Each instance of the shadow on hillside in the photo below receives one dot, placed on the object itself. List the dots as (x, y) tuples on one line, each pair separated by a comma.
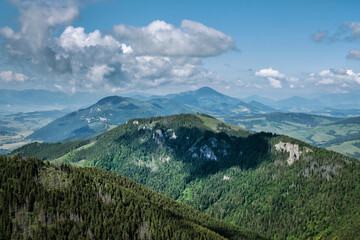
[(206, 152)]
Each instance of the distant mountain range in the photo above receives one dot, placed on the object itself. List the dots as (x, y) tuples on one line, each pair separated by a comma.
[(115, 110), (254, 115), (274, 185), (104, 115), (336, 105)]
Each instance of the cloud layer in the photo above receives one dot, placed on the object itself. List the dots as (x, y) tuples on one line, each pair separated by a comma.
[(129, 57), (10, 76), (163, 39), (343, 78)]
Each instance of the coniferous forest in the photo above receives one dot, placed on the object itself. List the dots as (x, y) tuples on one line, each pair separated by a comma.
[(42, 201)]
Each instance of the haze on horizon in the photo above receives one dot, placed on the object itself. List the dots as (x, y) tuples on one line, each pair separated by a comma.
[(270, 48)]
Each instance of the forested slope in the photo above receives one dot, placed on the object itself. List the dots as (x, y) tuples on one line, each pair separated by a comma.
[(42, 201), (271, 184)]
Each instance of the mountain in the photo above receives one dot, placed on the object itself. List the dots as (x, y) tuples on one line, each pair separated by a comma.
[(42, 201), (104, 115), (261, 107), (261, 99), (336, 105), (207, 99), (298, 104), (215, 103), (275, 185), (349, 100)]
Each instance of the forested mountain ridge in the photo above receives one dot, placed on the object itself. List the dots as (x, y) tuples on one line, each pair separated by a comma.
[(271, 184), (42, 201)]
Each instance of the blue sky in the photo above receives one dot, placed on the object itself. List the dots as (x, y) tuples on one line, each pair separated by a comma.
[(240, 48)]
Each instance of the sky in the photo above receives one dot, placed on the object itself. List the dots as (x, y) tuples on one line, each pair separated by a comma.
[(240, 48)]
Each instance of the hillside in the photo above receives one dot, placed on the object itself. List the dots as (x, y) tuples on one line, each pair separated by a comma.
[(104, 115), (340, 135), (42, 201), (274, 185)]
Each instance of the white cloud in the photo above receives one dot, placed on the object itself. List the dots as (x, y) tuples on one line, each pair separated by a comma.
[(341, 77), (269, 72), (272, 75), (163, 39), (37, 19), (275, 83), (97, 73), (7, 32), (126, 49), (72, 60), (75, 39), (9, 76)]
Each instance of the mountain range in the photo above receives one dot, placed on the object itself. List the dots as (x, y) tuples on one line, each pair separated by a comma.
[(274, 185), (104, 115), (115, 110), (318, 129)]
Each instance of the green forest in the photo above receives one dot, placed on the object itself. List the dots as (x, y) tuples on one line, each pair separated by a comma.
[(228, 173), (42, 201)]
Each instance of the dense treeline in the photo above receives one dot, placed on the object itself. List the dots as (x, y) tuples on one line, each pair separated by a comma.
[(51, 150), (42, 201), (234, 175)]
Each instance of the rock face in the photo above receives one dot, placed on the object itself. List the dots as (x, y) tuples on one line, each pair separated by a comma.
[(292, 149), (207, 153), (158, 137)]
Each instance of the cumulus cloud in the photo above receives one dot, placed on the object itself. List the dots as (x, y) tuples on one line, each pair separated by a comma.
[(273, 76), (341, 77), (275, 83), (129, 57), (9, 76), (269, 72), (164, 39), (75, 39), (37, 20)]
